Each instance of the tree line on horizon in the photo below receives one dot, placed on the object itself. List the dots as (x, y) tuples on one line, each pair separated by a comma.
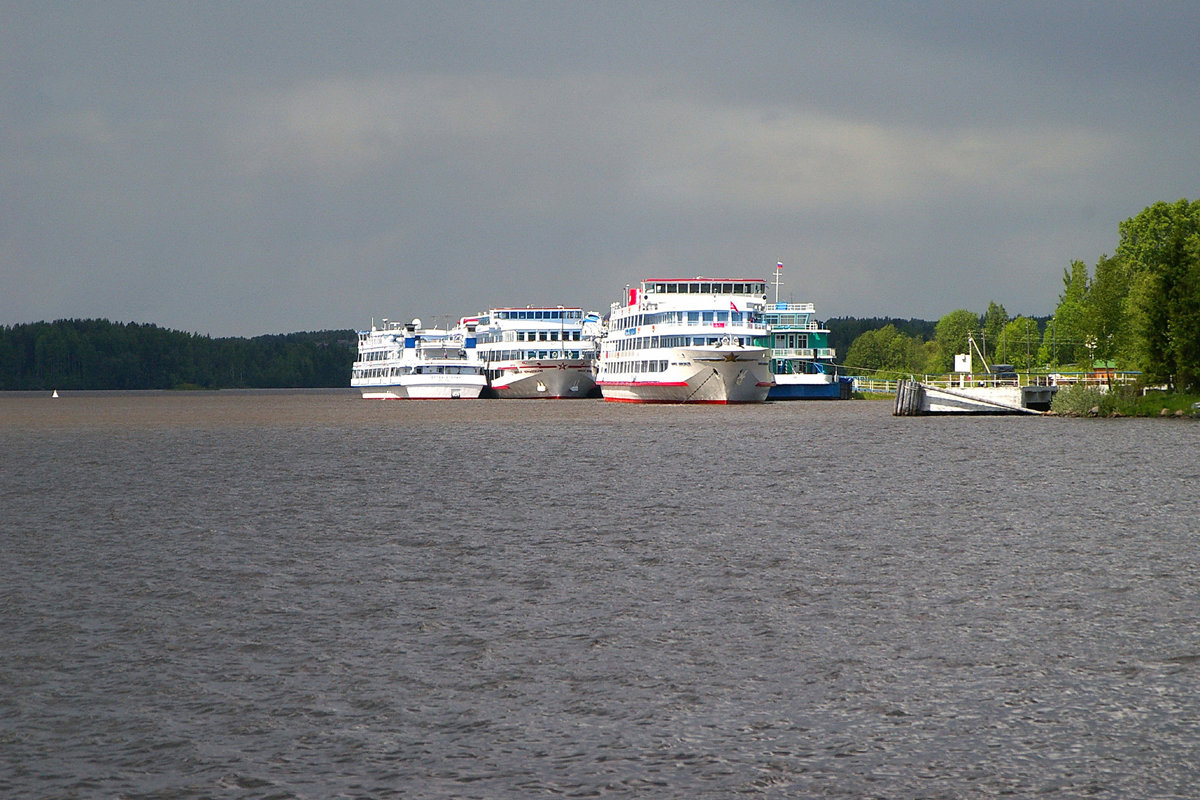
[(96, 354), (88, 354), (1138, 310)]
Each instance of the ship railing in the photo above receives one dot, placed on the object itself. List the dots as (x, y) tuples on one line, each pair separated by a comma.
[(663, 327), (794, 326), (810, 353)]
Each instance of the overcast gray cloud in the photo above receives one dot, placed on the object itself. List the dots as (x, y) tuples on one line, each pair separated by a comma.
[(239, 168)]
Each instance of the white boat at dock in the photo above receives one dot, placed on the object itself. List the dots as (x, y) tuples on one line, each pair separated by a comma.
[(802, 363), (686, 340), (537, 352), (410, 362)]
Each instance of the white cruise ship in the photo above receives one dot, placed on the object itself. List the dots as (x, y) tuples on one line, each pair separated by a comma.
[(538, 352), (410, 362), (687, 340)]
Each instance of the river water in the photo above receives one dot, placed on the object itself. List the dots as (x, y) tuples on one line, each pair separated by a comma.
[(305, 594)]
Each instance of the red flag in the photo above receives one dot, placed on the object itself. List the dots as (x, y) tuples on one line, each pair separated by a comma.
[(779, 265), (732, 306)]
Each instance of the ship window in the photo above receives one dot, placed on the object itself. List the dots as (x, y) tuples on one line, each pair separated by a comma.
[(722, 316), (693, 316), (693, 288), (706, 288), (708, 316)]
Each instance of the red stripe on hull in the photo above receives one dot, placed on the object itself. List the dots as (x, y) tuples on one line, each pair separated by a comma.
[(679, 402)]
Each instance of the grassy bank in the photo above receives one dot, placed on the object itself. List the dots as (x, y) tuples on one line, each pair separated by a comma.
[(1084, 401)]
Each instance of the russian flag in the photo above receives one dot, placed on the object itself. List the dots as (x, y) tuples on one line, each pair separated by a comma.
[(779, 265)]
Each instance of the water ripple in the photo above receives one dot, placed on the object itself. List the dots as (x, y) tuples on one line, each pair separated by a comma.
[(309, 596)]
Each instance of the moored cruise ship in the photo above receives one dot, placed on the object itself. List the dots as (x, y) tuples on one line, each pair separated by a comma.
[(410, 362), (801, 358), (686, 340), (537, 352)]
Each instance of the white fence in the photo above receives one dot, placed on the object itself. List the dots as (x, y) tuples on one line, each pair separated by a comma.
[(873, 386), (1098, 379)]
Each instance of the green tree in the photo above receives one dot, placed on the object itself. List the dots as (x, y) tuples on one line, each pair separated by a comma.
[(1019, 343), (1161, 248), (952, 334), (1070, 329), (931, 356), (1106, 324), (886, 350), (993, 325)]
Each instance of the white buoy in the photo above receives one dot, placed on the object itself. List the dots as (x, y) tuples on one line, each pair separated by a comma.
[(54, 393)]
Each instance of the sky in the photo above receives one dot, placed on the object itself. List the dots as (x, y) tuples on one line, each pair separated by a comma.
[(245, 168)]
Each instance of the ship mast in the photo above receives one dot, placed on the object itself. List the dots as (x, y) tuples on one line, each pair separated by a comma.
[(778, 280)]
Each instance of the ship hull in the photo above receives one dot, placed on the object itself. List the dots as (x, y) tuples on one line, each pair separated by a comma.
[(717, 375), (426, 389), (538, 380), (809, 387)]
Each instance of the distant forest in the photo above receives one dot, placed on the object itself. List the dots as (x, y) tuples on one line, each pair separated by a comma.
[(844, 330), (97, 354)]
